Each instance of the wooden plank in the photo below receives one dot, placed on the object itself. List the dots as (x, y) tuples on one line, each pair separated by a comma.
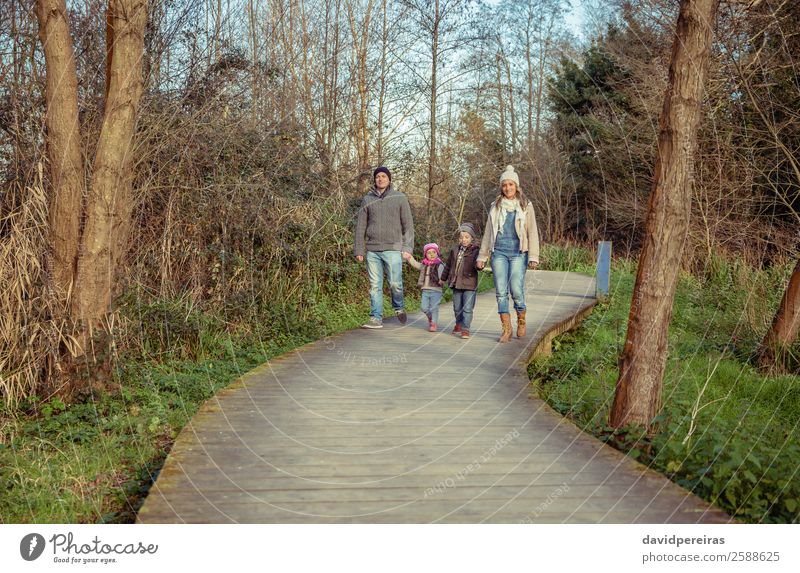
[(224, 480), (477, 511)]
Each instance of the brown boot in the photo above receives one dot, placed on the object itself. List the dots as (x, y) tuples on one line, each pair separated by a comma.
[(505, 318), (521, 324)]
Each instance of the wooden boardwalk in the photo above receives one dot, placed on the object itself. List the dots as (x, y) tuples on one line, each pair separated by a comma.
[(400, 425)]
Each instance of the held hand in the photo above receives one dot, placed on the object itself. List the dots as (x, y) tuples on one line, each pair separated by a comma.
[(532, 265), (480, 265), (406, 256), (360, 258)]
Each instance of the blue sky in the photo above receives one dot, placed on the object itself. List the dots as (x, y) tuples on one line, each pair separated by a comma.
[(575, 20)]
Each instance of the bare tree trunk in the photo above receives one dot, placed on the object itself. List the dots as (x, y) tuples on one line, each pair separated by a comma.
[(501, 106), (382, 92), (363, 93), (217, 32), (331, 139), (785, 326), (434, 89), (122, 222), (63, 139), (109, 44), (359, 31), (529, 79), (638, 392), (513, 116), (540, 88), (544, 54), (253, 37), (109, 203), (330, 55)]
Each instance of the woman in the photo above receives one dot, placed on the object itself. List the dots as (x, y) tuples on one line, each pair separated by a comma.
[(512, 240)]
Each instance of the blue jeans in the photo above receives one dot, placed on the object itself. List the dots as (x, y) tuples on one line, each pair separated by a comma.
[(392, 263), (463, 304), (508, 270), (430, 304)]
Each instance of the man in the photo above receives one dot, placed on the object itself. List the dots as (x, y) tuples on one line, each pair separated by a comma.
[(385, 237)]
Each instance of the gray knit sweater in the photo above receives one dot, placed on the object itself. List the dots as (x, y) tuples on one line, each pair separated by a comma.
[(384, 223)]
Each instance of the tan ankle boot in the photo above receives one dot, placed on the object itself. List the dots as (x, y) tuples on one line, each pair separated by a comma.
[(505, 319), (521, 330)]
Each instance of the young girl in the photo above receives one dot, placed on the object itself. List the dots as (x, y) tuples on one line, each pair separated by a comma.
[(461, 273), (430, 269)]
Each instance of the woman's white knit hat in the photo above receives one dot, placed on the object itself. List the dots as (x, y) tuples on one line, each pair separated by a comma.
[(510, 175)]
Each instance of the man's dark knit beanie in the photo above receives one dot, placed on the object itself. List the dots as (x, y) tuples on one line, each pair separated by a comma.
[(382, 170)]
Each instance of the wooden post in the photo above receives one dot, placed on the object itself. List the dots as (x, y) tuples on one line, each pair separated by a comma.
[(603, 272)]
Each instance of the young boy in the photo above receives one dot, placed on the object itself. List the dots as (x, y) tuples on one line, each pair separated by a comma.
[(461, 274)]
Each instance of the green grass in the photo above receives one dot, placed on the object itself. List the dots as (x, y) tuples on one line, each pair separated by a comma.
[(726, 431), (94, 461), (567, 258)]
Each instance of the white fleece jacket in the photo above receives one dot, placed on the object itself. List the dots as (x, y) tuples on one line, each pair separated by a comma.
[(525, 224)]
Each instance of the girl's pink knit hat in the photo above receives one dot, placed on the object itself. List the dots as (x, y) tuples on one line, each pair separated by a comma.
[(429, 246)]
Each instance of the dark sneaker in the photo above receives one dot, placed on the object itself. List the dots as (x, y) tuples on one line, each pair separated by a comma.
[(401, 316), (457, 329), (373, 323)]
